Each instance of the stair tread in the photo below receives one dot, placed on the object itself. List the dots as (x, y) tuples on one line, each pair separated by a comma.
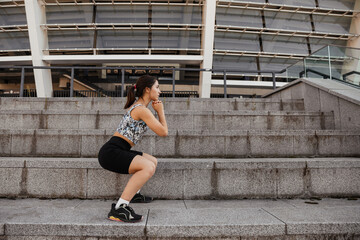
[(185, 218)]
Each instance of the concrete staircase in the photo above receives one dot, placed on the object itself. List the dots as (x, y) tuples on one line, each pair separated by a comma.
[(218, 150)]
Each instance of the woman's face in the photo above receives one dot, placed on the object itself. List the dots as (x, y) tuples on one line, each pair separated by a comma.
[(155, 91)]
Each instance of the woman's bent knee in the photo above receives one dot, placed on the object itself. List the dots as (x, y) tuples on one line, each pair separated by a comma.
[(140, 163)]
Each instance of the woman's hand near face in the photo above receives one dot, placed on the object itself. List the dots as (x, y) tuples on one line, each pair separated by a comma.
[(158, 106)]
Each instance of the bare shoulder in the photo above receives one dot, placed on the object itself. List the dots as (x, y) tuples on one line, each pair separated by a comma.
[(140, 112)]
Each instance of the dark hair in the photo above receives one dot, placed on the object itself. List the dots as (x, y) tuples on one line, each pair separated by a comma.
[(143, 82)]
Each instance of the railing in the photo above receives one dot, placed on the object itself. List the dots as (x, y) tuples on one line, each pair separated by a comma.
[(101, 93), (330, 62)]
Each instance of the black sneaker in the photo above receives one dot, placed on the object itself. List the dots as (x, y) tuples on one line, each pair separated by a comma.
[(139, 198), (124, 214)]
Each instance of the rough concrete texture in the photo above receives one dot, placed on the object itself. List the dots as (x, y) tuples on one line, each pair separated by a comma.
[(184, 178), (211, 219), (187, 143), (176, 104), (178, 120)]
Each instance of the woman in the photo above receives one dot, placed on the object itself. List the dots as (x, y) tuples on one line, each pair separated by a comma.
[(116, 155)]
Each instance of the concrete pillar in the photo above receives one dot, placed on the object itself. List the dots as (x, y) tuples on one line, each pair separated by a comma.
[(207, 46), (354, 65), (36, 15)]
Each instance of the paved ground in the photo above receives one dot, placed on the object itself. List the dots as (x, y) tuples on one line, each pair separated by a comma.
[(182, 218)]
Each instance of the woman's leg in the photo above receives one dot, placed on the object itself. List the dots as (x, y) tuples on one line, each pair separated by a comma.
[(142, 169), (151, 158)]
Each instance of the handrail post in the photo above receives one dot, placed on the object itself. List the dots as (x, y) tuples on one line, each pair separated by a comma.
[(273, 78), (173, 83), (22, 82), (72, 83), (225, 89), (122, 81)]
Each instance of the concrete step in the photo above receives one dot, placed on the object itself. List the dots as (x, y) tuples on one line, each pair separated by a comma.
[(34, 219), (179, 120), (175, 178), (182, 143), (198, 104)]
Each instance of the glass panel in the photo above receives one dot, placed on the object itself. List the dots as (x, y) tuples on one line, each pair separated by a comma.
[(122, 39), (12, 16), (238, 17), (337, 4), (317, 65), (234, 63), (236, 41), (176, 14), (298, 3), (283, 44), (295, 71), (331, 24), (344, 61), (316, 44), (287, 21), (176, 39), (69, 14), (250, 1), (70, 39), (14, 40), (122, 14), (275, 64)]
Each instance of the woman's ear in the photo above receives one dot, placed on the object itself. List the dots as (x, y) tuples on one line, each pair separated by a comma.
[(147, 90)]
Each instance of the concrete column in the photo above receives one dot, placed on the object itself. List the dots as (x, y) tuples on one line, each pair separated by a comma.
[(207, 46), (35, 15), (354, 65)]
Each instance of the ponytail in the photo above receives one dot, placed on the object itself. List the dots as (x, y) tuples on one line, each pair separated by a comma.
[(138, 89), (130, 97)]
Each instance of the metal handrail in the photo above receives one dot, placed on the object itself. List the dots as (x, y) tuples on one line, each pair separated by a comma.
[(122, 69)]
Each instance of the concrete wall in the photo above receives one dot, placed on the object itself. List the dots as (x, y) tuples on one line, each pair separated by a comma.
[(338, 98)]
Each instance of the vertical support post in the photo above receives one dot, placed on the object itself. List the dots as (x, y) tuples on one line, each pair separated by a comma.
[(329, 58), (173, 83), (72, 83), (207, 47), (122, 81), (22, 82), (273, 79), (305, 71), (225, 90), (36, 16)]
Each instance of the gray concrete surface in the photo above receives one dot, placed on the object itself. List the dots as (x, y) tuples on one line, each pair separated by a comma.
[(170, 104), (179, 120), (205, 178), (325, 95), (261, 218), (186, 143)]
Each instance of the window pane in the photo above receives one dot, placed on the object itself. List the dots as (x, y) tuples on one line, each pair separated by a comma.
[(12, 16), (236, 41), (238, 17), (287, 21), (122, 39), (14, 40), (176, 39), (276, 64), (122, 14), (70, 39), (337, 4), (252, 1), (69, 14), (176, 14), (235, 63), (331, 24), (316, 44), (283, 44), (298, 3)]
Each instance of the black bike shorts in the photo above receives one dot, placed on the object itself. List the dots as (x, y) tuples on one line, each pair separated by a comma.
[(116, 156)]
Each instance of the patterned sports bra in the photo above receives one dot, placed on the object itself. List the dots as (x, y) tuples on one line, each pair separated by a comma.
[(130, 128)]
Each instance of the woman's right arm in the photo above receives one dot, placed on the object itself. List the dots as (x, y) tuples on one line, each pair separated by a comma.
[(158, 126)]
